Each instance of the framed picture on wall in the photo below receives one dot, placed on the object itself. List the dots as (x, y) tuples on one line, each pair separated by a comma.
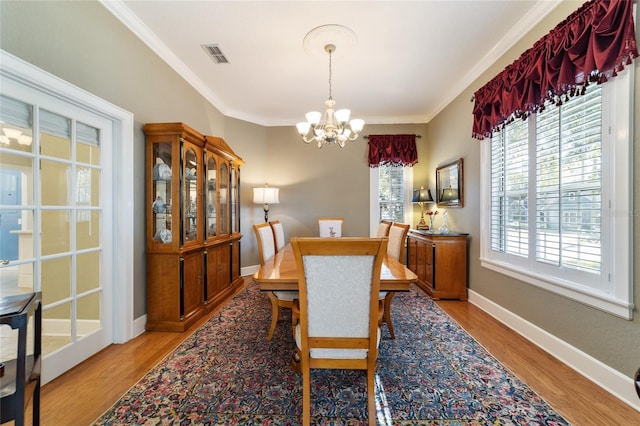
[(449, 189)]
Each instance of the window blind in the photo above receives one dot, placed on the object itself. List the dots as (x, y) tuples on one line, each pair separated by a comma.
[(569, 184), (391, 193), (510, 170)]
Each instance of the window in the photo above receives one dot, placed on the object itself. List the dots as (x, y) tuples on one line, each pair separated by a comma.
[(391, 188), (558, 188)]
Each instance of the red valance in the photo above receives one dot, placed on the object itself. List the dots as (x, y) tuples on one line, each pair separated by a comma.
[(392, 150), (591, 45)]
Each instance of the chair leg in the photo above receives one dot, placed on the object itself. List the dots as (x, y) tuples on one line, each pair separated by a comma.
[(306, 393), (371, 398), (275, 312), (387, 312)]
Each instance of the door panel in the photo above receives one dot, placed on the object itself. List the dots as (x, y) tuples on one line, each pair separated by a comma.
[(54, 238)]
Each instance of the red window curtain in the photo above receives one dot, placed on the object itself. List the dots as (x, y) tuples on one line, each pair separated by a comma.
[(392, 150), (590, 46)]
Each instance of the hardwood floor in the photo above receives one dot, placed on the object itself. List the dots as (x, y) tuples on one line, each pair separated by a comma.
[(82, 394), (576, 398)]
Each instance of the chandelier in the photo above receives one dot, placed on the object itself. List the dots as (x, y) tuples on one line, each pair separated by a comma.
[(332, 127)]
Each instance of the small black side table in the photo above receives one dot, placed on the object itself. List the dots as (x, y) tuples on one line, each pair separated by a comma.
[(20, 377)]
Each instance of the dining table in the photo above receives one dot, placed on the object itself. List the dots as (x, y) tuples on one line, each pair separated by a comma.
[(280, 273)]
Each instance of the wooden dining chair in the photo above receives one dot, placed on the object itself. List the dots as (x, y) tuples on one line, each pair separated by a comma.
[(330, 226), (279, 299), (397, 243), (278, 234), (339, 282), (383, 228)]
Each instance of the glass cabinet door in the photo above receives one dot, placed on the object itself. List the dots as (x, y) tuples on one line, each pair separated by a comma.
[(161, 189), (224, 199), (211, 194), (191, 206), (234, 200)]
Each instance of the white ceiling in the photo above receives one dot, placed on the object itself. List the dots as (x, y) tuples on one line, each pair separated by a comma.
[(410, 60)]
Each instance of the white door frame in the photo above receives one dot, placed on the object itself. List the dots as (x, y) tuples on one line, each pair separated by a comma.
[(15, 70)]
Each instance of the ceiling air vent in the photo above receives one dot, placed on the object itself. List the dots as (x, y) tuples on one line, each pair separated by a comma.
[(216, 54)]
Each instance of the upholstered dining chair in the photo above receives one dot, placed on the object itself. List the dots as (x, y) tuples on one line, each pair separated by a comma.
[(279, 299), (278, 234), (330, 226), (339, 282), (383, 228), (397, 243)]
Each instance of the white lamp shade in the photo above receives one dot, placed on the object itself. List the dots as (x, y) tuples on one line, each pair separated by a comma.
[(357, 125), (342, 115), (266, 195), (303, 127), (313, 117)]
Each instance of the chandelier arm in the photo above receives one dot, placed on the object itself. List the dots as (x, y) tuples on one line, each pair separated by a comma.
[(311, 139)]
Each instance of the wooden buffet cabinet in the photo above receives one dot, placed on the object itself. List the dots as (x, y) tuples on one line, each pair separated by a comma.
[(193, 224), (440, 262)]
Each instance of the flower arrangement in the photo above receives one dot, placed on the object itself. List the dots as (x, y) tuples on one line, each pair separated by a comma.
[(432, 215)]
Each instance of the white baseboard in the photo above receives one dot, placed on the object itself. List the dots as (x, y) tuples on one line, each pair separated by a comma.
[(139, 325), (249, 270), (614, 382)]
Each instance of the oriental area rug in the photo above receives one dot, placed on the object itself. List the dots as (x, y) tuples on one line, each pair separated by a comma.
[(227, 373)]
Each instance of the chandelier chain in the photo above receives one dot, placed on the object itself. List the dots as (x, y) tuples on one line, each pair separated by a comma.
[(330, 72)]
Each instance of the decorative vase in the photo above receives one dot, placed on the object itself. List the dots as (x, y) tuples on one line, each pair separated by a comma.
[(430, 222), (444, 229)]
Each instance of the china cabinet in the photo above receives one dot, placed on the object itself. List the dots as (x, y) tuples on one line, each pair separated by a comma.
[(440, 262), (193, 233)]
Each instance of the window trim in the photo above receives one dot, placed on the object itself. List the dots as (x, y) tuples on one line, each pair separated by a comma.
[(620, 301)]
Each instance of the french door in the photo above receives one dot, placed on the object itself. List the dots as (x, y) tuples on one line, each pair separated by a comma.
[(57, 186)]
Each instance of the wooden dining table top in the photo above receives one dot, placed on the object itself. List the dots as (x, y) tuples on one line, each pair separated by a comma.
[(281, 273)]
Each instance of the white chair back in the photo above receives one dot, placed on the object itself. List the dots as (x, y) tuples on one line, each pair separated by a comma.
[(266, 244), (339, 282), (278, 234), (397, 240), (330, 227), (383, 228)]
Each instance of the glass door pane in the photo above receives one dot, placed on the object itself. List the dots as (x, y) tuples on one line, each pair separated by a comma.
[(224, 199), (162, 190), (212, 194), (190, 196)]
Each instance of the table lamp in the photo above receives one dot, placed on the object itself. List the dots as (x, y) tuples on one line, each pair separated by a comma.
[(265, 196), (422, 196)]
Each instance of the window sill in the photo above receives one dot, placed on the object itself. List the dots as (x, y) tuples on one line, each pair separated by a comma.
[(594, 299)]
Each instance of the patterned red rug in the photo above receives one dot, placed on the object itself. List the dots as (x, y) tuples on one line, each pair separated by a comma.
[(227, 373)]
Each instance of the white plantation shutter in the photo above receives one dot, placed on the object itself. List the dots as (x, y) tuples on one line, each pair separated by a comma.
[(509, 180), (569, 191), (391, 194), (569, 184)]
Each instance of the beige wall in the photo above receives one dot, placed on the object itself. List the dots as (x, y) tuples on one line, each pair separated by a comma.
[(614, 341), (84, 44)]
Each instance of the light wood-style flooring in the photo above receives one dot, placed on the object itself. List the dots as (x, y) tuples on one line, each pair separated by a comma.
[(82, 394)]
